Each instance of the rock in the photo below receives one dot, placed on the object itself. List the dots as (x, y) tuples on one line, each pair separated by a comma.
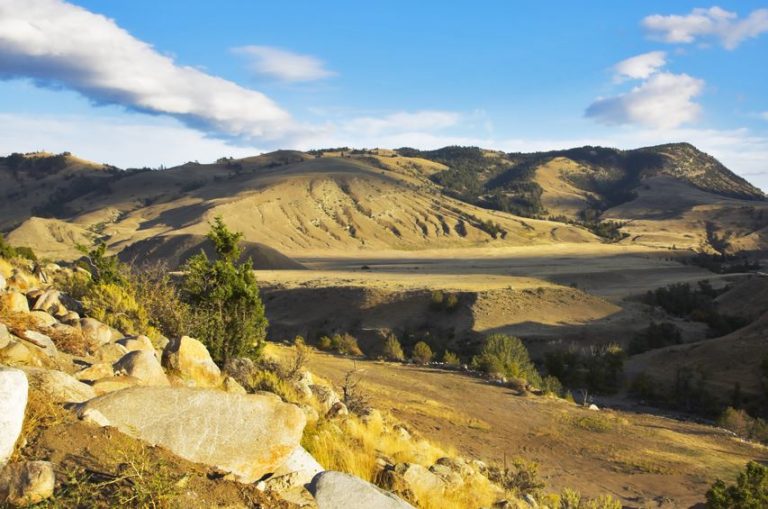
[(95, 372), (95, 332), (41, 341), (417, 476), (325, 396), (61, 387), (50, 302), (16, 353), (5, 336), (114, 383), (448, 476), (13, 402), (42, 319), (231, 385), (298, 470), (135, 343), (249, 435), (3, 283), (14, 302), (94, 417), (189, 359), (338, 409), (69, 318), (27, 483), (19, 281), (594, 407), (335, 490), (142, 365), (111, 352)]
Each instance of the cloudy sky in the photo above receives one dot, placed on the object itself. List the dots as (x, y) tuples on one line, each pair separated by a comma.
[(147, 83)]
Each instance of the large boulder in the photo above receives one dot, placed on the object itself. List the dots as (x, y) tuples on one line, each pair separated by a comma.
[(249, 435), (188, 358), (114, 383), (60, 386), (42, 319), (27, 483), (41, 341), (299, 469), (14, 389), (335, 490), (95, 372), (14, 302), (134, 343), (19, 353), (111, 352), (142, 365), (95, 332)]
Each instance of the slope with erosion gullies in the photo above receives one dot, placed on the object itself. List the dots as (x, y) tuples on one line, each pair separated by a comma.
[(712, 208), (41, 184), (721, 363), (297, 203)]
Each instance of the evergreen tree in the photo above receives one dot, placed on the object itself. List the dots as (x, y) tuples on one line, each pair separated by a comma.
[(227, 309)]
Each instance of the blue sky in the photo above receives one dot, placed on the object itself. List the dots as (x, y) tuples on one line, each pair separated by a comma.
[(147, 83)]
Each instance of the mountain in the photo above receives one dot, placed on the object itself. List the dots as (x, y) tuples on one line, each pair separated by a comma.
[(342, 200)]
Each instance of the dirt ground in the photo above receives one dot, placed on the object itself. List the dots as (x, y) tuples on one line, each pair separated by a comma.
[(646, 460)]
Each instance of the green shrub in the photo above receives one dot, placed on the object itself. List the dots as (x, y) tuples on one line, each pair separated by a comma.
[(597, 368), (422, 353), (507, 356), (749, 492), (656, 335), (451, 359), (226, 306), (324, 343), (117, 307), (345, 344), (393, 351), (551, 385)]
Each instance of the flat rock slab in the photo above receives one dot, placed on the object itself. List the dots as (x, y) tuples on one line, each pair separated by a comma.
[(335, 490), (60, 386), (14, 389), (249, 435)]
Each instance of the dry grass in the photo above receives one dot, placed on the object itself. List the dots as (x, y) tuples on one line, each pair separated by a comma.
[(41, 412), (6, 269), (70, 341)]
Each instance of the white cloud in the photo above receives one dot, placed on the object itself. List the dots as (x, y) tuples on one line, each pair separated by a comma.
[(764, 115), (60, 44), (283, 65), (640, 66), (663, 101), (707, 23), (403, 121), (125, 141)]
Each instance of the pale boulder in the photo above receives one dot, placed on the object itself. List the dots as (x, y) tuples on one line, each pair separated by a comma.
[(14, 302), (336, 490), (14, 389), (50, 302), (95, 332), (17, 353), (95, 372), (42, 319), (114, 383), (248, 435), (60, 386), (299, 469), (142, 365), (40, 340), (28, 483), (3, 283), (111, 352), (135, 343), (189, 359)]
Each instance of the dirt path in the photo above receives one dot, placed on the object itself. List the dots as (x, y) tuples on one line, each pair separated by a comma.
[(641, 458)]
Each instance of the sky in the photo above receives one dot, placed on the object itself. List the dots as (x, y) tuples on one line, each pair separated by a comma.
[(148, 83)]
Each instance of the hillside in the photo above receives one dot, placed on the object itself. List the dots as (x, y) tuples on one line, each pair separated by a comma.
[(301, 204)]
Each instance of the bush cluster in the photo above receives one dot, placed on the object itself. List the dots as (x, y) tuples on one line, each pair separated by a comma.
[(597, 369), (507, 356)]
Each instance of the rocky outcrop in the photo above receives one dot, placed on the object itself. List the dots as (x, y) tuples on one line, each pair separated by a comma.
[(13, 402), (188, 359), (335, 490), (28, 483), (249, 435), (95, 332)]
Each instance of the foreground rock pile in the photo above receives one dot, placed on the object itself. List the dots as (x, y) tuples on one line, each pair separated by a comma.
[(166, 393)]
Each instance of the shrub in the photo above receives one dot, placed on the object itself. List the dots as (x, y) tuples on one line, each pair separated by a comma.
[(392, 349), (345, 344), (117, 307), (597, 368), (743, 424), (508, 356), (451, 359), (551, 385), (227, 309), (162, 300), (324, 343), (656, 335), (749, 492), (422, 353)]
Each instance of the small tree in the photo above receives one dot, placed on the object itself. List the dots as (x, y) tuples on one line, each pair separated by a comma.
[(228, 312), (422, 353), (749, 492), (450, 358), (392, 349), (508, 356)]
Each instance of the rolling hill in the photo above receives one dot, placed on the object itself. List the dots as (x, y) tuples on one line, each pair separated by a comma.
[(346, 201)]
